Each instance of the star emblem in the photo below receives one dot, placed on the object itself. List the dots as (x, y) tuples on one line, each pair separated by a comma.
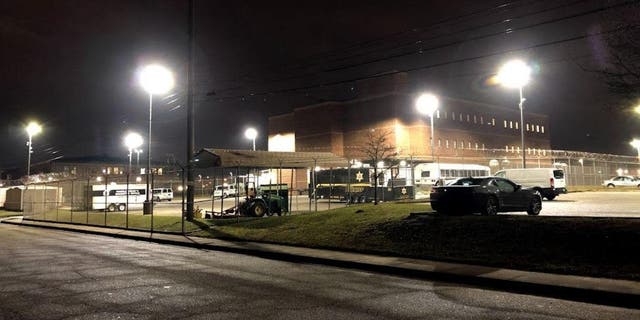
[(359, 176)]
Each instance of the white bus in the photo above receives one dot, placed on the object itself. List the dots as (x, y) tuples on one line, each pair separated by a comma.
[(113, 197), (427, 174)]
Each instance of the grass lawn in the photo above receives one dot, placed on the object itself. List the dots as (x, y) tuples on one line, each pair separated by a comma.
[(604, 247), (7, 213)]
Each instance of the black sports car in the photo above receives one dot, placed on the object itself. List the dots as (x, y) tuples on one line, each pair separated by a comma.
[(487, 195)]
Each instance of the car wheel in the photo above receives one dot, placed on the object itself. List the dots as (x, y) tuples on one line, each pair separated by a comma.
[(122, 207), (611, 185), (258, 209), (111, 207), (490, 207), (535, 206), (550, 198)]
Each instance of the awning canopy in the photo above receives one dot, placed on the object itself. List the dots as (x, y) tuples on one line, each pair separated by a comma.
[(207, 158)]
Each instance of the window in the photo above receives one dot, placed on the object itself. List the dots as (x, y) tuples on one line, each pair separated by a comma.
[(468, 118), (476, 146), (513, 149), (505, 123), (425, 174), (447, 143), (439, 143), (475, 119), (518, 149), (481, 120), (537, 128), (460, 117), (469, 144), (506, 148), (542, 129), (455, 143), (527, 127), (483, 146), (510, 124), (445, 114), (453, 116), (517, 126), (493, 122), (505, 186), (438, 114)]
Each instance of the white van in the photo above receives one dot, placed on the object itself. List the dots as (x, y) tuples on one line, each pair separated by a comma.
[(227, 190), (160, 194), (548, 181)]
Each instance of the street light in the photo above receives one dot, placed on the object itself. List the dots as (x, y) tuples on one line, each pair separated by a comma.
[(154, 79), (32, 130), (132, 141), (637, 109), (427, 104), (636, 144), (251, 134), (516, 74)]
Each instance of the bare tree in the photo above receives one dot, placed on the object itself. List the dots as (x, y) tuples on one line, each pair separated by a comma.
[(377, 148), (619, 64)]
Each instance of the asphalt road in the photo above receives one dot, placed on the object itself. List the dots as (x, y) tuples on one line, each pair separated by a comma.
[(46, 274)]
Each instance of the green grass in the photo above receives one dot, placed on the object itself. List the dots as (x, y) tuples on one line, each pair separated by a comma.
[(7, 213), (119, 220), (604, 247)]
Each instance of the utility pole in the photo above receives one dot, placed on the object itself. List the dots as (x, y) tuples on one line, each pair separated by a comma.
[(190, 117)]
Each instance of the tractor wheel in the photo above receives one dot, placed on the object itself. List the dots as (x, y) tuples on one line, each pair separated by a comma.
[(258, 209)]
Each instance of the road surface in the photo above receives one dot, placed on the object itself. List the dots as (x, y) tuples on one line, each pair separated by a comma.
[(46, 274)]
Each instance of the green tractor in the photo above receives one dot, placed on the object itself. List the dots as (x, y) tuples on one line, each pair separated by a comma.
[(258, 205)]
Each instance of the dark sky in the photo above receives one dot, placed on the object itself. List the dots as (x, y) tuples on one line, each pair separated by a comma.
[(71, 65)]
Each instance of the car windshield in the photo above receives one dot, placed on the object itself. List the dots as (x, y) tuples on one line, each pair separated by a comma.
[(558, 174), (468, 182)]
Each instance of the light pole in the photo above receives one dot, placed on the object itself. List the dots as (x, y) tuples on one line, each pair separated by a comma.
[(132, 141), (138, 152), (32, 130), (154, 79), (636, 144), (427, 104), (516, 74), (251, 134)]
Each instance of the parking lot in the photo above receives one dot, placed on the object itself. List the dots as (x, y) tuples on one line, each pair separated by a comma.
[(585, 204)]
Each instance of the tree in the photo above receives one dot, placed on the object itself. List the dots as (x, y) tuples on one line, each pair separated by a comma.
[(619, 64), (377, 148)]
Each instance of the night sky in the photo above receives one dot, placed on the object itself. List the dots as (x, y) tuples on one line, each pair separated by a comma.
[(71, 65)]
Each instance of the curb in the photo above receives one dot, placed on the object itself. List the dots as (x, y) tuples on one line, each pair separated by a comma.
[(539, 284)]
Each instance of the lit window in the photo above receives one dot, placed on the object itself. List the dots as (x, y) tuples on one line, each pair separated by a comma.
[(544, 152), (537, 128), (453, 116), (527, 127), (460, 117), (475, 119), (445, 114), (493, 122), (542, 129), (468, 118), (483, 146), (513, 149), (439, 143), (481, 120), (528, 150), (469, 144), (517, 126), (518, 149), (506, 148), (476, 146), (447, 143), (455, 144), (505, 123), (510, 124)]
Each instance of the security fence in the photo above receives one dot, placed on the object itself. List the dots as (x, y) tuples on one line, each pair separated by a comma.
[(117, 200)]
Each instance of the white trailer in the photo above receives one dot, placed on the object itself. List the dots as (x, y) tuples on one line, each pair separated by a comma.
[(112, 197)]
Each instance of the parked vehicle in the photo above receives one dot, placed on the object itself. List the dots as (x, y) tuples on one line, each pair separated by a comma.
[(487, 195), (112, 197), (550, 182), (227, 190), (161, 194), (258, 203), (427, 175), (622, 181)]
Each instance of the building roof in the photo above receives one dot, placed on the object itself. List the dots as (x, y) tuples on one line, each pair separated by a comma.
[(207, 157)]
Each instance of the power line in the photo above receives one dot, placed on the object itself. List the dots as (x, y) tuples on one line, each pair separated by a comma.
[(430, 66), (458, 42)]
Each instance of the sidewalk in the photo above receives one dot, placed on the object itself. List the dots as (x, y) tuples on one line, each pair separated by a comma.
[(624, 293)]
